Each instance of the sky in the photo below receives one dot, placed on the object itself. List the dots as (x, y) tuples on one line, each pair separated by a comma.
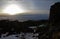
[(32, 7)]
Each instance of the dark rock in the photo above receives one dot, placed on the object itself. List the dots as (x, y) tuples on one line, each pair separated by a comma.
[(54, 17)]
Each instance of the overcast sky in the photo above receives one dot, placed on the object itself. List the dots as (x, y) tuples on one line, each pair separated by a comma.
[(34, 6), (38, 6)]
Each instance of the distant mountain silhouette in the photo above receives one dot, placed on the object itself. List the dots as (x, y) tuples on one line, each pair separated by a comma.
[(25, 17), (32, 17)]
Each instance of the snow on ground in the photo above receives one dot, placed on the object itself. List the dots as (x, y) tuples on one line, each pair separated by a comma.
[(21, 36)]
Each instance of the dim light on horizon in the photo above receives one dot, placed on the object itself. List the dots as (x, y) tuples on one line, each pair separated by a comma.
[(12, 9)]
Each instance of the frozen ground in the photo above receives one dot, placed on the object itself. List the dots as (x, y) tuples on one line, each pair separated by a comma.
[(21, 36)]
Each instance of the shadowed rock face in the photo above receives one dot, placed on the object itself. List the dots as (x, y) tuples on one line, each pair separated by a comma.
[(55, 14), (54, 21)]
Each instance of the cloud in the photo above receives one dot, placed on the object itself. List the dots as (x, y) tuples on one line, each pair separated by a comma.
[(37, 12)]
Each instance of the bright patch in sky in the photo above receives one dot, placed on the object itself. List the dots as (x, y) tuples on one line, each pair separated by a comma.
[(13, 9)]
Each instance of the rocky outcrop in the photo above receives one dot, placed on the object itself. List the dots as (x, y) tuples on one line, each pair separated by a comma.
[(54, 18)]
